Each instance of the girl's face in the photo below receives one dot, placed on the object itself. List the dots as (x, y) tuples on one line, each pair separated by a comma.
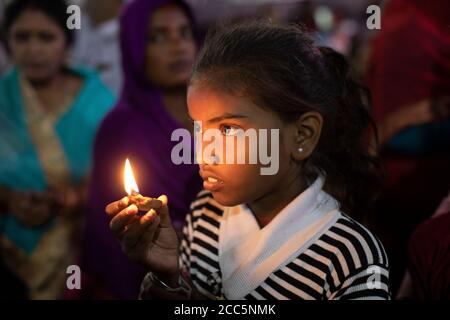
[(171, 47), (240, 183), (38, 45)]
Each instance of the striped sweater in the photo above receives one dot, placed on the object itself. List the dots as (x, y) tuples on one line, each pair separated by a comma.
[(346, 262)]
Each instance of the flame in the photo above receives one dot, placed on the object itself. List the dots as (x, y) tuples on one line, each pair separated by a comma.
[(129, 180)]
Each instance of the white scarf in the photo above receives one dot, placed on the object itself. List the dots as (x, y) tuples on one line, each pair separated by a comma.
[(248, 254)]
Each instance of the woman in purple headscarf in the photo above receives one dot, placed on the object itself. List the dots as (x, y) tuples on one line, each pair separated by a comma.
[(158, 49)]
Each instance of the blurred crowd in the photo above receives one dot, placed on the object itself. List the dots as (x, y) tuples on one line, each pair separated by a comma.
[(74, 104)]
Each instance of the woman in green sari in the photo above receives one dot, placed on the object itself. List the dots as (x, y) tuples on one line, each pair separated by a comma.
[(49, 114)]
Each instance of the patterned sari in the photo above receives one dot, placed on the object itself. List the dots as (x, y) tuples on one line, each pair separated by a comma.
[(41, 151)]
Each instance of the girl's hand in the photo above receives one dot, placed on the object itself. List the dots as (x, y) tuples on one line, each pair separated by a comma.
[(149, 239)]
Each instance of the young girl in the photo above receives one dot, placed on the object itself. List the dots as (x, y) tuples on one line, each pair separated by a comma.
[(282, 236)]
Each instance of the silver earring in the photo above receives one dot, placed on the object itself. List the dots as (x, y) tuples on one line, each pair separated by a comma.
[(300, 149)]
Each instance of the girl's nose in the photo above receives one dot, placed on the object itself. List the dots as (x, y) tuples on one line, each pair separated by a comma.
[(207, 159)]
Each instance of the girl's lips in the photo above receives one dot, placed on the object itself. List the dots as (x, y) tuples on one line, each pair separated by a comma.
[(212, 185)]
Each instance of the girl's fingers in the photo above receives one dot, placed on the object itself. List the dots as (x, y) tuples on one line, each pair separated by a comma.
[(122, 219), (150, 230), (148, 218), (115, 207), (164, 212), (138, 228), (141, 247), (132, 235)]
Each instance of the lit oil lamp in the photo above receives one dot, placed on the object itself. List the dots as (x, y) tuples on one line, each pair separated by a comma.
[(132, 189)]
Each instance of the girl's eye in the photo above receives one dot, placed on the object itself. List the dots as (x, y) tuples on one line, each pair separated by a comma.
[(228, 130)]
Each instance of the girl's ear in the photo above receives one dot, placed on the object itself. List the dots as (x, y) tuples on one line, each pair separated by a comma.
[(307, 129)]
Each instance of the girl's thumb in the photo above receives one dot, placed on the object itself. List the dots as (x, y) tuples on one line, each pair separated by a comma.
[(164, 211)]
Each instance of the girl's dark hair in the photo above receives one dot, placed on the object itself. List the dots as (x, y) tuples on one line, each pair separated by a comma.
[(55, 9), (279, 68)]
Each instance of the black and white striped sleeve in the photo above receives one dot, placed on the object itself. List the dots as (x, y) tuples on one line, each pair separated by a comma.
[(186, 240), (370, 283), (363, 269)]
